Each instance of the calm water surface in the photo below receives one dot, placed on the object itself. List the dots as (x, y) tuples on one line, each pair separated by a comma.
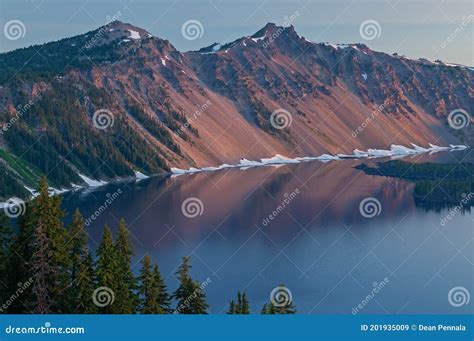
[(319, 245)]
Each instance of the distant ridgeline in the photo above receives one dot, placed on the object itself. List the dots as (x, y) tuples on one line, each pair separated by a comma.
[(437, 185)]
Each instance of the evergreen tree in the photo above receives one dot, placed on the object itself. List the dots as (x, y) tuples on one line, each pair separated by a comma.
[(245, 307), (149, 296), (42, 271), (85, 282), (241, 306), (5, 244), (50, 255), (189, 295), (81, 270), (106, 268), (18, 264), (126, 301), (238, 307), (163, 298)]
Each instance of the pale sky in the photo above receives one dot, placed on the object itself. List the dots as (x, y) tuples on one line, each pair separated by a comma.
[(433, 29)]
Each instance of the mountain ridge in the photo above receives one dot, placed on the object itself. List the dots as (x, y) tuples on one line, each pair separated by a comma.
[(170, 108)]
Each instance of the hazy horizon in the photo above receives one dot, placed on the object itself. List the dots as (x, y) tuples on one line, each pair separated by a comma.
[(434, 29)]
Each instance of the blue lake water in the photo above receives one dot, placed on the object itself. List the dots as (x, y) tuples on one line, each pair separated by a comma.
[(318, 245)]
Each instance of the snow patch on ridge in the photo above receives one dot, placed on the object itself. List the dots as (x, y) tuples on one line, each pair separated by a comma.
[(140, 176), (134, 35), (91, 182)]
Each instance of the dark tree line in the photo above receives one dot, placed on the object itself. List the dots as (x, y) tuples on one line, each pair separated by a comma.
[(47, 268), (436, 185)]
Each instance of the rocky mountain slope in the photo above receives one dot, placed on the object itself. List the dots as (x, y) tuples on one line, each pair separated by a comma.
[(118, 100)]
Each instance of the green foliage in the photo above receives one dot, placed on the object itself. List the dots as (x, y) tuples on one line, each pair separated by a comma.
[(59, 271), (189, 295), (155, 299), (271, 309), (55, 59), (28, 172), (163, 298), (50, 258), (106, 267), (262, 117), (241, 306), (81, 271), (5, 243), (125, 299), (56, 137), (18, 269), (436, 185), (10, 184), (154, 127)]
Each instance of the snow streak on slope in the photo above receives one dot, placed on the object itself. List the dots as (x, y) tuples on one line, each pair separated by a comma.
[(396, 151)]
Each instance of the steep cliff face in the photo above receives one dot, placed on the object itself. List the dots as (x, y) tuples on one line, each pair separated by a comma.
[(117, 99)]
